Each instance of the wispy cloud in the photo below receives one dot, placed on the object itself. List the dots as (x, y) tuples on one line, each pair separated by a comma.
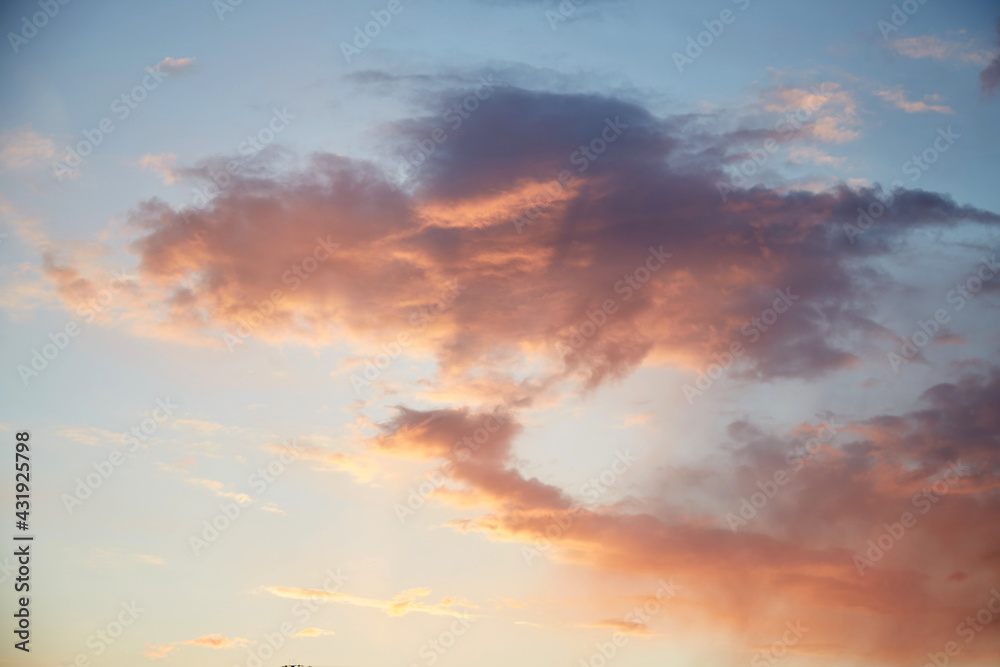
[(897, 97), (935, 48), (216, 641), (23, 149), (400, 605)]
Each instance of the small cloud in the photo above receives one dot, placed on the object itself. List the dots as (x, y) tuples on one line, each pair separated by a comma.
[(312, 632), (935, 48), (23, 149), (633, 628), (989, 78), (175, 65), (271, 507), (218, 488), (898, 98), (642, 418), (164, 164), (400, 605), (155, 652)]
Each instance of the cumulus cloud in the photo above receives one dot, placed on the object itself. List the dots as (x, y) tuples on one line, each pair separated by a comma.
[(486, 217)]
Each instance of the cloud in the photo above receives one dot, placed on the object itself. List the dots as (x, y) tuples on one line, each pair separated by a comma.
[(795, 552), (989, 78), (23, 149), (527, 289), (175, 65), (219, 489), (935, 48), (634, 628), (312, 632), (898, 98), (400, 605), (164, 164), (156, 652)]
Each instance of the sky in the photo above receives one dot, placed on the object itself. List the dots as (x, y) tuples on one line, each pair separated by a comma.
[(439, 332)]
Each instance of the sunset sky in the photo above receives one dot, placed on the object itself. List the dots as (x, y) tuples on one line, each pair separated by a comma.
[(602, 333)]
